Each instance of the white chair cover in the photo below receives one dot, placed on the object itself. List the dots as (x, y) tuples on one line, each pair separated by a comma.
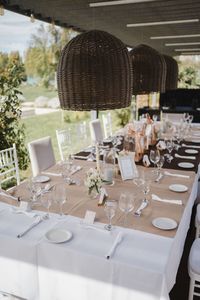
[(41, 155)]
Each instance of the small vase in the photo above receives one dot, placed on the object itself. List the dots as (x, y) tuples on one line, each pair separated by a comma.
[(93, 194)]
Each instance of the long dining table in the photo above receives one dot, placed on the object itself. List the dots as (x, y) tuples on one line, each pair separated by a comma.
[(143, 266)]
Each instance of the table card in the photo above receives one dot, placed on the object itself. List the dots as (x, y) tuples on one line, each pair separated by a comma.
[(89, 217), (127, 167)]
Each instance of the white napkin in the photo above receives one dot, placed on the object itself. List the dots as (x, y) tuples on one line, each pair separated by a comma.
[(117, 241), (52, 174), (76, 169), (5, 194), (176, 175), (146, 161), (184, 156), (190, 146), (156, 198)]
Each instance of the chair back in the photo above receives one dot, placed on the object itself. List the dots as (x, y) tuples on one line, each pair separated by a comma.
[(9, 165), (64, 142), (41, 155), (96, 131), (107, 124)]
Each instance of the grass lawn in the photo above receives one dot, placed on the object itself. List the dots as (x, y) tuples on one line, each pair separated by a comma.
[(32, 92)]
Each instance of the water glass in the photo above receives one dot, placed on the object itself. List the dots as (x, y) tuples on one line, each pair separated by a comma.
[(160, 164), (169, 146), (110, 210), (154, 156), (126, 204), (60, 196)]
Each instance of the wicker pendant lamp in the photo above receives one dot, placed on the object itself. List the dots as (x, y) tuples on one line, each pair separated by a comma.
[(172, 73), (94, 73), (149, 70)]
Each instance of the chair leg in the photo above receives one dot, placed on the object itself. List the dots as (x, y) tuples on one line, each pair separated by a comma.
[(191, 290)]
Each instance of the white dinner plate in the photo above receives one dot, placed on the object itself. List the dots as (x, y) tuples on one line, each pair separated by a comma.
[(41, 179), (164, 223), (179, 188), (58, 235), (186, 165), (191, 151)]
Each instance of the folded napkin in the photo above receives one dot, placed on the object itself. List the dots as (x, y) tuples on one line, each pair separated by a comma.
[(75, 169), (191, 146), (156, 198), (52, 174), (184, 156), (176, 175), (5, 194), (117, 241)]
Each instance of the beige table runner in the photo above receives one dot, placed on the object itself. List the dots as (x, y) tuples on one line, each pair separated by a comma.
[(78, 200)]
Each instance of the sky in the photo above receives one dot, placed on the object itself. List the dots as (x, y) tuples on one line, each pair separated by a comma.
[(15, 32)]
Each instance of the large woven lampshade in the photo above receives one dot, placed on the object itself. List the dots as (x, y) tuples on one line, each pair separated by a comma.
[(149, 70), (172, 73), (94, 73)]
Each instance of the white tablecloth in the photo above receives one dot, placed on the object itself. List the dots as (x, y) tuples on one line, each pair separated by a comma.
[(143, 267)]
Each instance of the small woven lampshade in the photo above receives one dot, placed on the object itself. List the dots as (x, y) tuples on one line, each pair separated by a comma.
[(149, 70), (94, 73), (172, 73)]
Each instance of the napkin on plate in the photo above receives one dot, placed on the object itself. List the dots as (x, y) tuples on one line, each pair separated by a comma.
[(156, 198), (184, 156)]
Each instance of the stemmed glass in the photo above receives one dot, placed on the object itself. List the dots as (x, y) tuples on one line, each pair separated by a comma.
[(169, 146), (46, 200), (154, 156), (67, 168), (35, 191), (110, 210), (145, 189), (160, 164), (126, 204), (60, 195)]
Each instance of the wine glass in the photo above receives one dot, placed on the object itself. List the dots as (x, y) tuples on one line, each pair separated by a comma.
[(46, 201), (155, 118), (160, 164), (154, 156), (126, 204), (60, 196), (110, 209), (35, 191), (169, 146), (67, 166)]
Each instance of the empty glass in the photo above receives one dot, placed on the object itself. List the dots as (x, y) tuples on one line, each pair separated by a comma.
[(35, 191), (110, 210), (154, 156), (126, 204), (46, 201), (160, 164), (60, 196), (169, 146)]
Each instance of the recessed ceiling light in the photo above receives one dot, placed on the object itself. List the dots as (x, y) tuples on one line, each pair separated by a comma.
[(182, 44), (191, 49), (162, 23), (174, 36), (118, 2)]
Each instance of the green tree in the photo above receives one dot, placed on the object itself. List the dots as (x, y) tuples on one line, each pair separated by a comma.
[(188, 77), (11, 129), (42, 56)]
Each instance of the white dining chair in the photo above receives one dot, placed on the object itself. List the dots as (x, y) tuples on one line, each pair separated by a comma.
[(197, 222), (64, 142), (41, 155), (194, 269), (96, 131), (107, 124), (9, 165)]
